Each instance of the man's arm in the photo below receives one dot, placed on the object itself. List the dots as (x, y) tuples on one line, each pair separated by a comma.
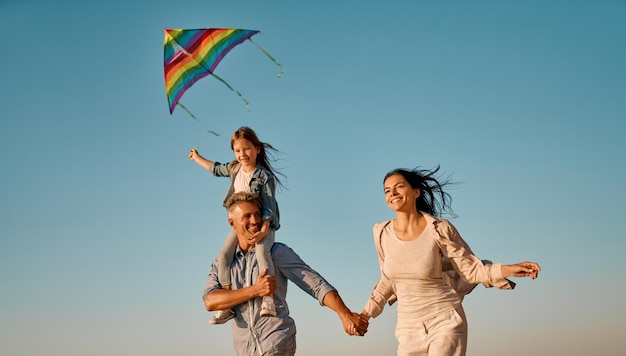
[(310, 281), (220, 299), (353, 324)]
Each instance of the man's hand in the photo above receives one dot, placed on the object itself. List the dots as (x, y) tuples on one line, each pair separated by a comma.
[(355, 324), (265, 285), (226, 298)]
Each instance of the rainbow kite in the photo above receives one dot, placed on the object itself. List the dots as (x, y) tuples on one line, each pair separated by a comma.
[(191, 55)]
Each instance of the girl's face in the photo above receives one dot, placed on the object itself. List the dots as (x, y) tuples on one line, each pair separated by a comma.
[(245, 154), (399, 194)]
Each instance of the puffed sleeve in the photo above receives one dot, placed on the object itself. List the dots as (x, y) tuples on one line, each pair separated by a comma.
[(469, 267), (383, 290)]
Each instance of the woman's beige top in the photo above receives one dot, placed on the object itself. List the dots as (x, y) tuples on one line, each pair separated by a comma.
[(414, 271)]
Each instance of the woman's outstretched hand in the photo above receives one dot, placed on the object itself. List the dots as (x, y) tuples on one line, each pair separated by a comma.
[(522, 269)]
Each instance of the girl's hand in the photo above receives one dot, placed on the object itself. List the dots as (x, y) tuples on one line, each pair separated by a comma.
[(193, 154), (258, 236)]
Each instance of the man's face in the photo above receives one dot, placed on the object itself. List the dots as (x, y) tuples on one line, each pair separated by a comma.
[(245, 219)]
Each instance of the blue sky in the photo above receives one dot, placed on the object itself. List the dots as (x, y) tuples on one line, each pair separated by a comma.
[(107, 230)]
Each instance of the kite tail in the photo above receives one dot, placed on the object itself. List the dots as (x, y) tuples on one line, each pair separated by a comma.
[(233, 89), (282, 69), (195, 118)]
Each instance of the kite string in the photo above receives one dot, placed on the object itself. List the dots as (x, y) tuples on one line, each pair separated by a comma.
[(282, 69), (236, 91), (195, 118), (233, 89)]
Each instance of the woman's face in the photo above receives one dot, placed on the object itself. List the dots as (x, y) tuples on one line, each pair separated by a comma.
[(245, 153), (399, 194)]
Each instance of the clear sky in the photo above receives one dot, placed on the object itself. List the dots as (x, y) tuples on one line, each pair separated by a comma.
[(107, 230)]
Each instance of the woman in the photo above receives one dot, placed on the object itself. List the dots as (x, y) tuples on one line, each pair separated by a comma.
[(414, 250)]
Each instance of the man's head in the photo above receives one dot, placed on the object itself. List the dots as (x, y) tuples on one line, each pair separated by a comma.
[(244, 216)]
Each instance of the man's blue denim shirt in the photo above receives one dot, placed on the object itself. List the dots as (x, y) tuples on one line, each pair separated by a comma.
[(253, 334)]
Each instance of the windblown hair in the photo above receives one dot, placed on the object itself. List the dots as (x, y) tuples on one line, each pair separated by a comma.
[(266, 152), (241, 197), (433, 199)]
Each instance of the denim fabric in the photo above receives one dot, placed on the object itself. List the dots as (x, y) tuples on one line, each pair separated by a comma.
[(262, 183), (287, 348), (227, 252), (256, 335)]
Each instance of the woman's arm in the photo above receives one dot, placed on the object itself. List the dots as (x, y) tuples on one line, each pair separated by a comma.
[(522, 269)]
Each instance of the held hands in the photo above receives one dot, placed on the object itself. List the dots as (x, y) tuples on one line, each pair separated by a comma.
[(522, 269), (354, 324)]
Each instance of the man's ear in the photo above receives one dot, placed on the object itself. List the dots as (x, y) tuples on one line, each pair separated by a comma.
[(230, 222)]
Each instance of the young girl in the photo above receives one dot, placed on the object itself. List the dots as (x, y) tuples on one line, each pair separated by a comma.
[(252, 172)]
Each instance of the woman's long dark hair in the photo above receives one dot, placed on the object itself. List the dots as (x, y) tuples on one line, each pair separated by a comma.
[(433, 199)]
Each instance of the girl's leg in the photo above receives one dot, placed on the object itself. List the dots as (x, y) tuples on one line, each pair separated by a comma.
[(263, 251), (225, 258)]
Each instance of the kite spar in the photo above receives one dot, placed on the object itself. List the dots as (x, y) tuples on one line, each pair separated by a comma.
[(190, 55)]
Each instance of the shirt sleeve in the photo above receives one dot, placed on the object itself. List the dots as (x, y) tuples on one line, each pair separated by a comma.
[(220, 169), (383, 290), (212, 282), (382, 294), (267, 192), (296, 270), (464, 262)]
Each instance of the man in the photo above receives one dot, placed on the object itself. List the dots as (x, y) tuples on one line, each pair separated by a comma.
[(253, 334)]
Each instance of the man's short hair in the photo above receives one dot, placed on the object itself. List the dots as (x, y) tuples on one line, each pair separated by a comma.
[(241, 197)]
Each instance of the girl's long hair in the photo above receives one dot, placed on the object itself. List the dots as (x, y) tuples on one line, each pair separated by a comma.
[(266, 152)]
